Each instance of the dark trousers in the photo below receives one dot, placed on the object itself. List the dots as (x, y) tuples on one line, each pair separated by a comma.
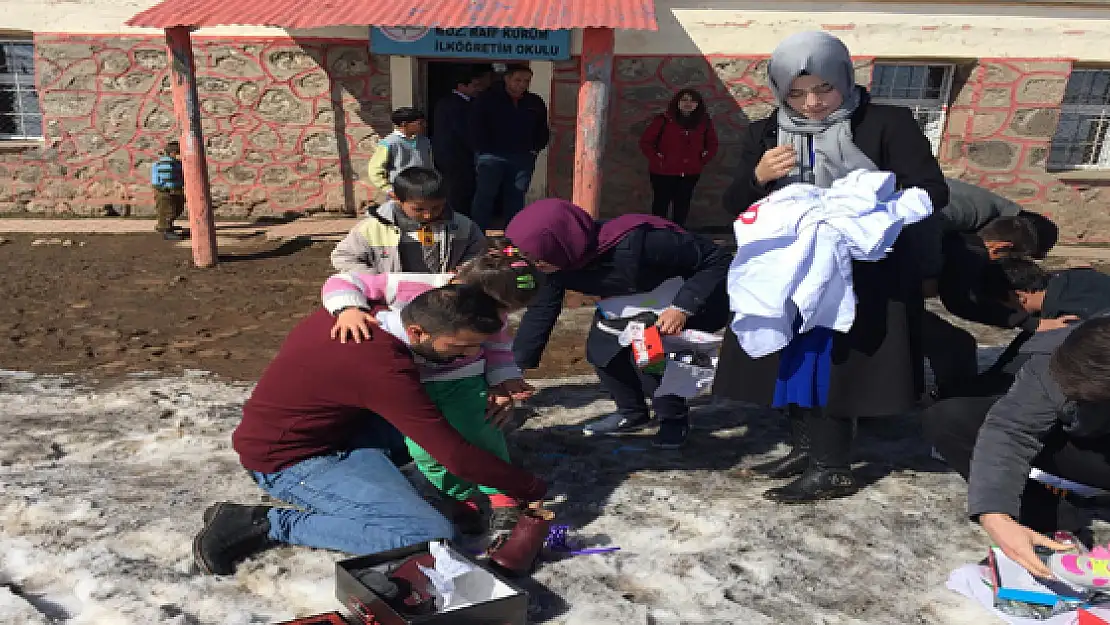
[(460, 189), (509, 176), (169, 207), (629, 387), (952, 354), (674, 193), (952, 426)]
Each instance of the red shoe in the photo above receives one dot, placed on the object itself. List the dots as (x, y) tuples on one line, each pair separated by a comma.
[(517, 553)]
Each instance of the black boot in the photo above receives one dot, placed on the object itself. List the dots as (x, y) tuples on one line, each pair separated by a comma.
[(829, 474), (795, 462), (231, 532)]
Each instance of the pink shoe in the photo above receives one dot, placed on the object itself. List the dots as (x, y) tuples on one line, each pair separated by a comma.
[(1081, 570)]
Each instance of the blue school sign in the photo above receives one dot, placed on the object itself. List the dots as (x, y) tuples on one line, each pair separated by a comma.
[(472, 43)]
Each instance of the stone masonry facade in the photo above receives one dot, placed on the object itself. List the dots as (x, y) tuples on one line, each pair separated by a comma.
[(272, 110), (999, 126)]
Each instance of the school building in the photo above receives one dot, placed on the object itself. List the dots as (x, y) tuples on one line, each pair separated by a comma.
[(1013, 95)]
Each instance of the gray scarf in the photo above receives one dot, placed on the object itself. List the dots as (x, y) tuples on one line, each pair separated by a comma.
[(825, 148)]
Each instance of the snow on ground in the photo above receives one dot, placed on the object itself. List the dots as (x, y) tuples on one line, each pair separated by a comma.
[(102, 490)]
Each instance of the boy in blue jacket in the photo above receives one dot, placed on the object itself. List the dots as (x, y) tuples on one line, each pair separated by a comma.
[(169, 190)]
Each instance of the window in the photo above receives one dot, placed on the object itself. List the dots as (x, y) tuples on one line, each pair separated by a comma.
[(20, 117), (923, 88), (1081, 137)]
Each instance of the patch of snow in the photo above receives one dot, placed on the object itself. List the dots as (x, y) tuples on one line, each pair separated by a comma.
[(102, 488)]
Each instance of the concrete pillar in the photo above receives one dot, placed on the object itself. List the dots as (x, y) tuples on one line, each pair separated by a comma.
[(543, 73), (593, 112), (186, 108)]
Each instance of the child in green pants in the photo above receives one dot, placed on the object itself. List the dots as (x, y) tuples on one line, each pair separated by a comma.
[(462, 387)]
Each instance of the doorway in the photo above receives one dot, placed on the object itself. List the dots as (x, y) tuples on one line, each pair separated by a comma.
[(439, 81)]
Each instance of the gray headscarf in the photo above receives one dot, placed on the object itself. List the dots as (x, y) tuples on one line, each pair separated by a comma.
[(834, 154)]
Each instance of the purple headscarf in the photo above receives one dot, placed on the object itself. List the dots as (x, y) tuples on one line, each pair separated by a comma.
[(563, 234)]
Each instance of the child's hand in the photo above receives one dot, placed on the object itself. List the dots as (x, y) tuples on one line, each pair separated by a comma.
[(355, 322), (671, 321), (499, 407), (517, 388)]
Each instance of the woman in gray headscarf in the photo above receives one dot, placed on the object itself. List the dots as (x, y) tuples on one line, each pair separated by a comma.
[(824, 127)]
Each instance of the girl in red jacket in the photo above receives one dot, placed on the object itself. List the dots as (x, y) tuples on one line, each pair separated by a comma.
[(678, 143)]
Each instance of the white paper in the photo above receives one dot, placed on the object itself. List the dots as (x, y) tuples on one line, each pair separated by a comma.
[(447, 568)]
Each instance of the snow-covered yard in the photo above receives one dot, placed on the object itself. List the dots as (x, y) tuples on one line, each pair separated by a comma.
[(102, 490)]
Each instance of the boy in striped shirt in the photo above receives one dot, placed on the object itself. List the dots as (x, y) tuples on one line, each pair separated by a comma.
[(169, 190)]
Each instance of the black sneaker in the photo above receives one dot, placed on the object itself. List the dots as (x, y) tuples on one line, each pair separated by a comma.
[(672, 433), (170, 235), (616, 424), (232, 532)]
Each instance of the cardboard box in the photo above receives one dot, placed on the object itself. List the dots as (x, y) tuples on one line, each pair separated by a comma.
[(329, 618), (507, 603)]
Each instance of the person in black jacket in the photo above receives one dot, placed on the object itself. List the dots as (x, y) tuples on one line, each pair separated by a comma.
[(629, 254), (970, 286), (1055, 417), (454, 155), (825, 127), (508, 129)]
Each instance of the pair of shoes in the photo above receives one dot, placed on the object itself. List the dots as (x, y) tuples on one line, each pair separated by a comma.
[(794, 463), (829, 472), (170, 235), (672, 433), (231, 533), (615, 424)]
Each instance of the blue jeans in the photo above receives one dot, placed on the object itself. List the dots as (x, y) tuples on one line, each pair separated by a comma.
[(508, 175), (354, 501)]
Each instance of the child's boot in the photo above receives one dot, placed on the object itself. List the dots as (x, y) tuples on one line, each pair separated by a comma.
[(517, 553)]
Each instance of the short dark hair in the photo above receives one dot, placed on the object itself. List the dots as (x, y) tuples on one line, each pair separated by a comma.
[(504, 274), (464, 75), (1024, 275), (172, 147), (517, 67), (419, 183), (1081, 365), (1048, 233), (406, 114), (451, 308), (1018, 232)]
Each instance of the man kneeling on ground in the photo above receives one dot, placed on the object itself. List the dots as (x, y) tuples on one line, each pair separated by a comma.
[(324, 431), (1056, 417)]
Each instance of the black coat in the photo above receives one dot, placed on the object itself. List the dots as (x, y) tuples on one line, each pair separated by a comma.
[(645, 258), (970, 207), (501, 126), (451, 142), (1079, 292), (962, 285), (878, 366)]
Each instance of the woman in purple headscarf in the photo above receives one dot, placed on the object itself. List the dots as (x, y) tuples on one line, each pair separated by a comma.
[(626, 255)]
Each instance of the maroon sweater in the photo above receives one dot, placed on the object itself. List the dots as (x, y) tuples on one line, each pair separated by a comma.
[(313, 396)]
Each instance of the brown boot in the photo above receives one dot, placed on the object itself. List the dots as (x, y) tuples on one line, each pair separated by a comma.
[(518, 552)]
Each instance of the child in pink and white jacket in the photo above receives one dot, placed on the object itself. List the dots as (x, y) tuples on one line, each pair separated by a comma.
[(464, 389)]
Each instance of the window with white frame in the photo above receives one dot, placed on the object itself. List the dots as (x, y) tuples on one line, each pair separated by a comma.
[(924, 88), (20, 117), (1082, 139)]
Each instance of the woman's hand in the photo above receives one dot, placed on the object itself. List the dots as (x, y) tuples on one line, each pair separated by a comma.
[(1018, 541), (517, 388), (671, 321), (775, 163), (355, 322), (499, 408)]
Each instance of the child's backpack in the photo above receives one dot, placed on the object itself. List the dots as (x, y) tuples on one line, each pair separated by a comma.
[(663, 127)]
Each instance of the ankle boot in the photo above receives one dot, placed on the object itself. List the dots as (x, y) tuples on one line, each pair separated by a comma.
[(829, 474), (517, 553), (795, 462), (231, 533)]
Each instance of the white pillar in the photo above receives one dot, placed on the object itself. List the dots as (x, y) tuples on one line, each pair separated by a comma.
[(402, 81)]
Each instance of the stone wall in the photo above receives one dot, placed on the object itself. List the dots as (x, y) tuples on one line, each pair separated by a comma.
[(272, 110), (1000, 124)]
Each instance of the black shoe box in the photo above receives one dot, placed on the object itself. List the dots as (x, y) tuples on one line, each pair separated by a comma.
[(507, 606)]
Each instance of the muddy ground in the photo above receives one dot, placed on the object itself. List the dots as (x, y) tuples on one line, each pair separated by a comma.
[(107, 305)]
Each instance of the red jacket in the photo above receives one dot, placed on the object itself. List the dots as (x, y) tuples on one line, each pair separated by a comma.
[(317, 392), (672, 150)]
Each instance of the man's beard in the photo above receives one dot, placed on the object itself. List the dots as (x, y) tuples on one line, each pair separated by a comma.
[(432, 356)]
